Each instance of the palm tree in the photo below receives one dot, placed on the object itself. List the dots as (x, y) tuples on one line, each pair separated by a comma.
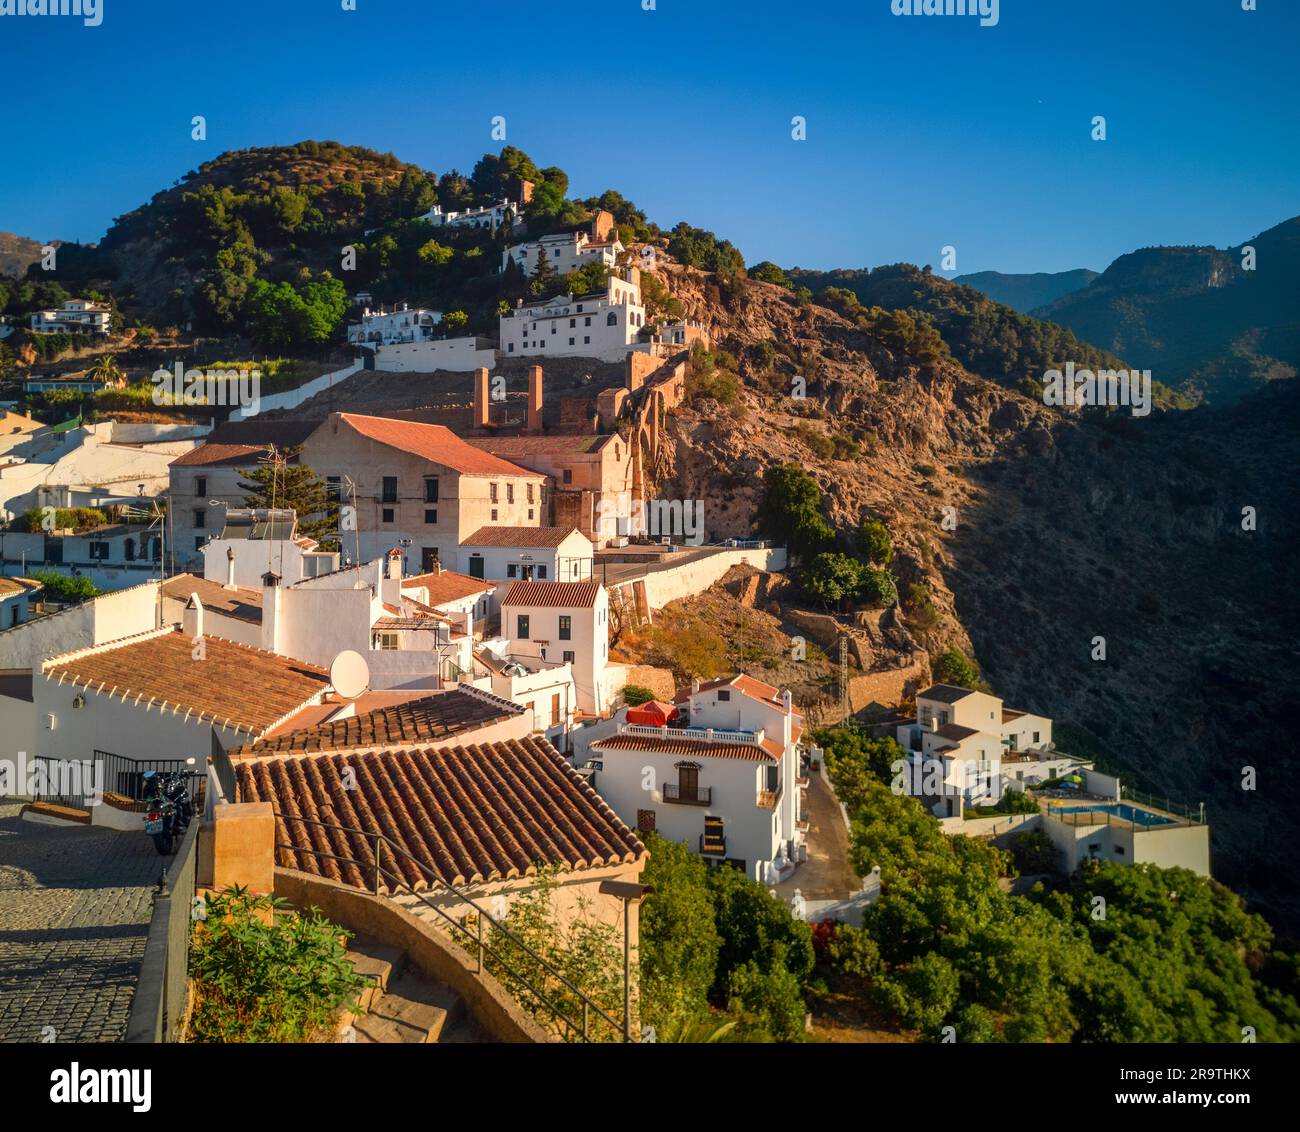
[(109, 372)]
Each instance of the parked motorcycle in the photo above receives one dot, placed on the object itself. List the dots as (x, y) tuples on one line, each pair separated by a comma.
[(170, 808)]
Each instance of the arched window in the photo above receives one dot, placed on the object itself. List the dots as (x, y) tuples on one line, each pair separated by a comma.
[(611, 319)]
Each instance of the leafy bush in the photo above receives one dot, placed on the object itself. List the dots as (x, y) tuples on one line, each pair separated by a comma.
[(65, 587), (282, 979), (636, 694), (955, 667), (791, 510), (1035, 852), (873, 537)]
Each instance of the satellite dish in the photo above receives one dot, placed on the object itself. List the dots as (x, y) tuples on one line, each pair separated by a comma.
[(350, 674)]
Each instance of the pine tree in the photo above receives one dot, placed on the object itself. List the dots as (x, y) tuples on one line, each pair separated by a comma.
[(278, 482), (544, 275)]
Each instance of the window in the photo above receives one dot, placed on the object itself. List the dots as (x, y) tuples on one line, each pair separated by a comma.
[(510, 348), (129, 546), (555, 709), (587, 321), (611, 319), (568, 475), (200, 519), (390, 490), (476, 566), (386, 516), (510, 493), (541, 571), (198, 545), (530, 513), (431, 489), (99, 550), (386, 642), (645, 821), (566, 628), (494, 514), (492, 493), (430, 515), (724, 695), (572, 323), (530, 492), (512, 571), (569, 657), (201, 486), (586, 340), (1036, 734), (522, 626)]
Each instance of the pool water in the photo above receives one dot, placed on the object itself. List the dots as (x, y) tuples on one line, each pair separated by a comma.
[(1121, 810)]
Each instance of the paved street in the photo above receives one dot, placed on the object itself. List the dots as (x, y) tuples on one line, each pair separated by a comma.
[(74, 910), (827, 874)]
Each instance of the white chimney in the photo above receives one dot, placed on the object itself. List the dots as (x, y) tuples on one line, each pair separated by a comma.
[(193, 617), (272, 630), (230, 568)]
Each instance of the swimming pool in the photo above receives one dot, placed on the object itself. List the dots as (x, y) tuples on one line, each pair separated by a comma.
[(1120, 810)]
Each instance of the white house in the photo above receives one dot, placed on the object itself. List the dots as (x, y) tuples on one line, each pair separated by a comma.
[(14, 593), (542, 554), (562, 623), (256, 540), (565, 252), (963, 745), (76, 316), (384, 328), (604, 325), (490, 216), (723, 776)]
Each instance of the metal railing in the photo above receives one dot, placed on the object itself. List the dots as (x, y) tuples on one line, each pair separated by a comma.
[(767, 799), (718, 848), (158, 1005), (1193, 814), (691, 796), (696, 734), (381, 876), (124, 775)]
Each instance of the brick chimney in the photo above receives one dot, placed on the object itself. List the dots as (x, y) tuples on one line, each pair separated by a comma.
[(481, 397), (534, 398)]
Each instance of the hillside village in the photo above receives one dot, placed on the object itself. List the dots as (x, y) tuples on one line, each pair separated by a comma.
[(506, 598)]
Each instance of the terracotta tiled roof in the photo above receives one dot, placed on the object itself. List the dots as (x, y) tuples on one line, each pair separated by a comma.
[(561, 444), (1008, 714), (475, 813), (552, 595), (433, 442), (756, 689), (519, 536), (435, 718), (685, 747), (219, 455), (243, 604), (448, 586), (233, 685)]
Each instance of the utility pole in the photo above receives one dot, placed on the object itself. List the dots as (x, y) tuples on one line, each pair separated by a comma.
[(846, 703)]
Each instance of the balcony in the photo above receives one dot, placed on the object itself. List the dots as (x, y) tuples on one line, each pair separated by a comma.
[(711, 846), (694, 734), (767, 799), (690, 796)]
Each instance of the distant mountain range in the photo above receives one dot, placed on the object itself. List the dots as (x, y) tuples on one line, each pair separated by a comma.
[(1202, 321), (1024, 293), (17, 254)]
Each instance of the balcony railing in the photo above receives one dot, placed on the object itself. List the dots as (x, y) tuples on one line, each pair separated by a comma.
[(690, 796), (694, 734), (767, 799), (713, 846)]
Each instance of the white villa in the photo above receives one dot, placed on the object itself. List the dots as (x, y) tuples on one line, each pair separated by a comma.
[(490, 216), (542, 554), (604, 325), (76, 316), (387, 328), (723, 775), (965, 748), (561, 623), (565, 252)]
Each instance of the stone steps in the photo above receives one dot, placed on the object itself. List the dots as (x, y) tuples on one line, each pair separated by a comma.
[(403, 1006)]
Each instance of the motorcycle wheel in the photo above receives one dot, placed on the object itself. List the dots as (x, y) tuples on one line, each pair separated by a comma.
[(163, 843)]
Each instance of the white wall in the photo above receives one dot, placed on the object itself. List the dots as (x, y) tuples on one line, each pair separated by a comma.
[(108, 617), (456, 355), (693, 577), (295, 397)]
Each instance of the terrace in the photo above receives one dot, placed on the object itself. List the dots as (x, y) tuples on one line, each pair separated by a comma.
[(694, 734)]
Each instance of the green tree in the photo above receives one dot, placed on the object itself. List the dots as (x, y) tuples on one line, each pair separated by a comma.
[(832, 578), (285, 484), (955, 667), (453, 322), (791, 510), (876, 588), (876, 544), (755, 927)]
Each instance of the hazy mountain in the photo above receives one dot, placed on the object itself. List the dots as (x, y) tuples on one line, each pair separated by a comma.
[(17, 254), (1194, 316), (1024, 293)]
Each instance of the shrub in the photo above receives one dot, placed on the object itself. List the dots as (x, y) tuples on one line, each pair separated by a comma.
[(769, 998), (877, 588), (65, 587), (873, 537), (636, 694), (1035, 852), (955, 667), (260, 979)]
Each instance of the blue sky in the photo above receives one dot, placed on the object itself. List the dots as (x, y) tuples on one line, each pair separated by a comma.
[(922, 131)]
